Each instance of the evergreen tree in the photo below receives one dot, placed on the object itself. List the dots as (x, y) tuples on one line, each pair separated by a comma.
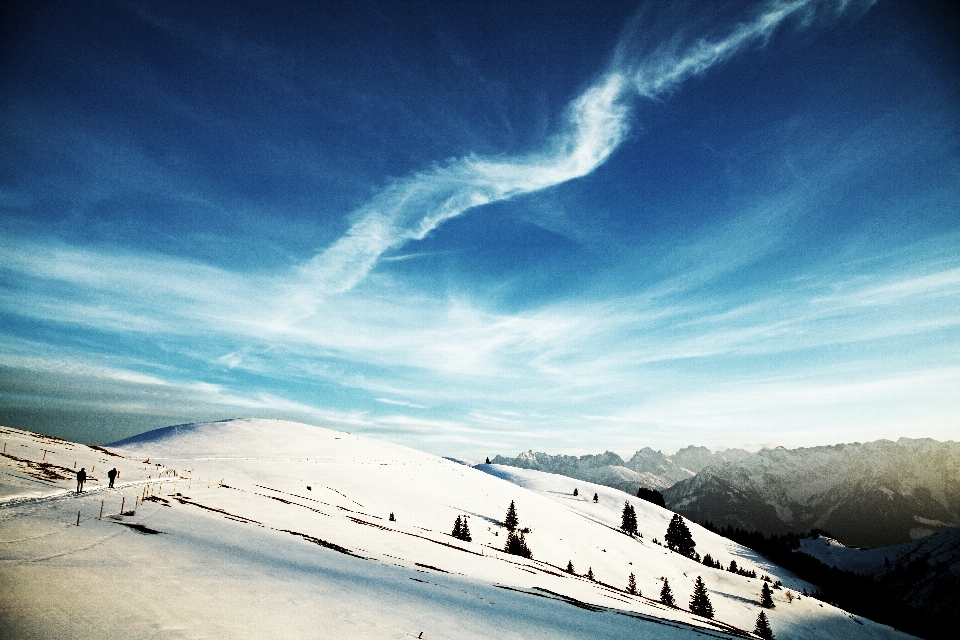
[(465, 531), (570, 567), (700, 600), (666, 595), (457, 527), (392, 519), (678, 537), (590, 573), (733, 566), (628, 519), (766, 597), (517, 545), (512, 520), (596, 498), (708, 560), (632, 584), (763, 627), (576, 492)]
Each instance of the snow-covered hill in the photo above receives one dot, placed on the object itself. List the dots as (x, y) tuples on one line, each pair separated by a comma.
[(264, 528), (924, 573), (872, 494), (647, 468)]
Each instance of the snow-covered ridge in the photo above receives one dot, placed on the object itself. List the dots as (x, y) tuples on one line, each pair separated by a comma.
[(923, 573), (266, 528), (646, 468)]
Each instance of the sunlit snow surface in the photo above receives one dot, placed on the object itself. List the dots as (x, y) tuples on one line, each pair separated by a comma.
[(248, 550)]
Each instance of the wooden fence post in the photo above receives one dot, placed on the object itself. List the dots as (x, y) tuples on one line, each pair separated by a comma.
[(78, 518), (123, 501), (101, 510)]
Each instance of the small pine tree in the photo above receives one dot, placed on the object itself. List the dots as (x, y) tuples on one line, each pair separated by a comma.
[(465, 531), (457, 528), (392, 519), (596, 498), (628, 519), (511, 520), (576, 492), (766, 597), (708, 560), (700, 601), (678, 537), (733, 566), (570, 567), (763, 627), (590, 575), (517, 545), (666, 595), (632, 584)]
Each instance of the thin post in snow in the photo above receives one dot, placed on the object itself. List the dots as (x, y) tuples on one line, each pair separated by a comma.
[(101, 510), (123, 501), (78, 518)]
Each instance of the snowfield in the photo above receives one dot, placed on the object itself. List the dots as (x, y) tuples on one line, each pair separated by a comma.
[(265, 528)]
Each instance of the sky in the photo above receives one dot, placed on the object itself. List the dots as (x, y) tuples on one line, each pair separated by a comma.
[(481, 228)]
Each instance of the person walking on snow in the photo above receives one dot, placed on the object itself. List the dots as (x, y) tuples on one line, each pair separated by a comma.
[(113, 474), (81, 478)]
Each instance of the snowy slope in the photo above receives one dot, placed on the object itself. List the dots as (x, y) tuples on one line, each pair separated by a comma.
[(938, 548), (266, 528), (923, 573)]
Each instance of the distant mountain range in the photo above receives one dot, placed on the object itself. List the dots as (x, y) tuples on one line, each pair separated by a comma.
[(867, 495), (647, 468)]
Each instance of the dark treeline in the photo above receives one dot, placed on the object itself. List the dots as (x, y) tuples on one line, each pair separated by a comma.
[(854, 592), (651, 495)]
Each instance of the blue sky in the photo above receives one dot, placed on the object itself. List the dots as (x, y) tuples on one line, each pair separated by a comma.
[(482, 228)]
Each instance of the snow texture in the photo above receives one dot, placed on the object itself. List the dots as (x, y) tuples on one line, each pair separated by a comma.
[(270, 529)]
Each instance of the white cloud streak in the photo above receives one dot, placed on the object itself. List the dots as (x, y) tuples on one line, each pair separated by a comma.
[(596, 124)]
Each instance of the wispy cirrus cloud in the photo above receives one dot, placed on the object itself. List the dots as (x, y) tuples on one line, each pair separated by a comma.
[(595, 125)]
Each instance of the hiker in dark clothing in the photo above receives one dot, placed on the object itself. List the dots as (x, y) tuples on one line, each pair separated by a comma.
[(81, 478), (113, 474)]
